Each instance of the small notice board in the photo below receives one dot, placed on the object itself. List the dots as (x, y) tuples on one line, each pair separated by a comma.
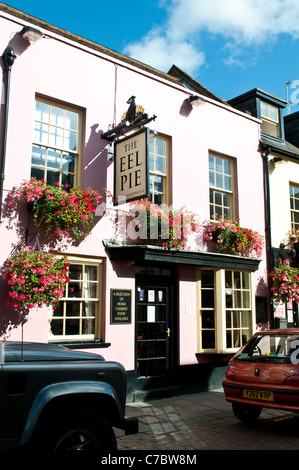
[(121, 306)]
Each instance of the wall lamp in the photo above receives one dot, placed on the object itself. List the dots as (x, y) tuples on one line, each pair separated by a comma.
[(196, 100), (278, 161), (31, 34)]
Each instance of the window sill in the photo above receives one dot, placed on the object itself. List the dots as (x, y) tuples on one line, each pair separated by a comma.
[(273, 137), (82, 344), (213, 358)]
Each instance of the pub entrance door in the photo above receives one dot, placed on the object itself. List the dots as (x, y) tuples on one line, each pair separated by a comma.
[(156, 321)]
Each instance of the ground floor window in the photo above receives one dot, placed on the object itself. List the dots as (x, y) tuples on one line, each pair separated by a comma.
[(237, 308), (207, 311), (226, 312), (77, 316)]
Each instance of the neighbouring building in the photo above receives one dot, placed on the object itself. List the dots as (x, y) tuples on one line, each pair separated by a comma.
[(84, 116), (279, 146)]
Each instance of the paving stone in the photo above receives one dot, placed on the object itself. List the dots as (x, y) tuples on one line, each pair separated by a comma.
[(205, 421)]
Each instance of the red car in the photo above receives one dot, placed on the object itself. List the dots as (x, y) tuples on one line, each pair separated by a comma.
[(264, 373)]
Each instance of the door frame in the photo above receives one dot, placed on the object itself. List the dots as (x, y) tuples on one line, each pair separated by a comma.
[(169, 282)]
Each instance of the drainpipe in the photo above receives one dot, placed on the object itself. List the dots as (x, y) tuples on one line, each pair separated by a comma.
[(265, 150), (268, 208), (8, 59)]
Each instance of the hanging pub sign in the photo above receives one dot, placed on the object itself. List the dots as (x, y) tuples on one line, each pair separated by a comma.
[(131, 167), (121, 306)]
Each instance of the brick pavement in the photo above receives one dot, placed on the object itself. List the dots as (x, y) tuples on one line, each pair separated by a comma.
[(205, 421)]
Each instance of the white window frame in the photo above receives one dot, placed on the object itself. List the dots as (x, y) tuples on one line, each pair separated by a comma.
[(203, 308), (270, 121), (47, 144), (154, 172), (97, 299), (226, 210), (220, 311), (293, 211)]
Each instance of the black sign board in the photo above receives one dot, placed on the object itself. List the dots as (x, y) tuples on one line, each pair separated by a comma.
[(121, 306)]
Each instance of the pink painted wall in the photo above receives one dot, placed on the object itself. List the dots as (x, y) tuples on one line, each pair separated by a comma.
[(61, 69)]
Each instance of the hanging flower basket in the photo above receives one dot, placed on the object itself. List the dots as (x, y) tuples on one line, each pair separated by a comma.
[(233, 239), (153, 225), (35, 278), (285, 283), (62, 212)]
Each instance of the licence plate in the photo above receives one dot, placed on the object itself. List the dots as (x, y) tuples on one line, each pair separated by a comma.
[(258, 394)]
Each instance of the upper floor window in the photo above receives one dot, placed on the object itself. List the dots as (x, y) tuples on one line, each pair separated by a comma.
[(270, 119), (294, 204), (158, 162), (221, 186), (55, 149)]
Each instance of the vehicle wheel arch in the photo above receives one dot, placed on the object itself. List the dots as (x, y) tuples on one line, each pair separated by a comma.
[(58, 400), (55, 429)]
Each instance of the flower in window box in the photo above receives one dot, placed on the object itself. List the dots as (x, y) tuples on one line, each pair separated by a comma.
[(35, 278), (285, 283), (60, 211), (165, 227), (233, 239)]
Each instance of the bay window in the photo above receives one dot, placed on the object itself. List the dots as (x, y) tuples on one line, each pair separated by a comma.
[(226, 310), (238, 308), (207, 310)]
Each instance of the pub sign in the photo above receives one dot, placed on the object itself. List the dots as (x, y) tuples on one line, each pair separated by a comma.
[(131, 167)]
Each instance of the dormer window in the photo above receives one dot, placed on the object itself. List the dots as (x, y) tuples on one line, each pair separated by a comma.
[(270, 119)]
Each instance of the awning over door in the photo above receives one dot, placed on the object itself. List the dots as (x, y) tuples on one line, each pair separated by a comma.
[(127, 252)]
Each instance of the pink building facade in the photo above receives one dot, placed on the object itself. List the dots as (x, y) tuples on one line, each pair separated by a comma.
[(167, 314)]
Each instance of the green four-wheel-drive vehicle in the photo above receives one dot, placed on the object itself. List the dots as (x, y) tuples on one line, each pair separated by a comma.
[(55, 398)]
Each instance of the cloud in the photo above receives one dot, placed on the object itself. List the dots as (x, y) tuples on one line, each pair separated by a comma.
[(157, 50), (246, 21), (240, 23)]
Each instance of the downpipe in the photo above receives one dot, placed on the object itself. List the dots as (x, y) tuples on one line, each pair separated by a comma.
[(8, 57)]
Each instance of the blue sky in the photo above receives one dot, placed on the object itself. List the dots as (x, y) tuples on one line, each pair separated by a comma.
[(230, 46)]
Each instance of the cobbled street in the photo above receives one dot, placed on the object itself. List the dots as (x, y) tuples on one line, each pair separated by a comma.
[(205, 421)]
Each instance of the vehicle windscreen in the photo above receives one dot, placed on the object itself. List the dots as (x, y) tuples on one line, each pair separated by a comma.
[(282, 348)]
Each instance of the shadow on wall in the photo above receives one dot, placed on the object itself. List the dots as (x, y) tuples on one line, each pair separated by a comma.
[(96, 161), (94, 169)]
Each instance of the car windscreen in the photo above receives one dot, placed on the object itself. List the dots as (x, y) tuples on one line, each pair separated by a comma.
[(271, 348)]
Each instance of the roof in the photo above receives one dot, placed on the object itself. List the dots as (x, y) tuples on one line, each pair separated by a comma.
[(282, 147), (257, 92), (86, 42), (191, 83)]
